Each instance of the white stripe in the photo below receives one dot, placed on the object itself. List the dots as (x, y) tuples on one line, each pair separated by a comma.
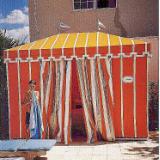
[(134, 89), (121, 85), (145, 46), (133, 46), (64, 44), (9, 111), (30, 70), (108, 66), (109, 44), (134, 95), (19, 93), (41, 85), (67, 101), (60, 98), (74, 47), (86, 44), (42, 68), (97, 43), (54, 44)]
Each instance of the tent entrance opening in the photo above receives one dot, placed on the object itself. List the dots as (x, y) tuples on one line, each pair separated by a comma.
[(78, 125)]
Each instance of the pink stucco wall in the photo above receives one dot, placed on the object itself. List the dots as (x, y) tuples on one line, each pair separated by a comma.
[(131, 18), (154, 60)]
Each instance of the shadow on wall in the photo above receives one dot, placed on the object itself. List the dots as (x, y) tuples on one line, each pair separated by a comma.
[(153, 106), (118, 23)]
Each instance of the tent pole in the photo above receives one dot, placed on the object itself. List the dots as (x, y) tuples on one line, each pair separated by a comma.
[(121, 85), (134, 95), (19, 92), (134, 88)]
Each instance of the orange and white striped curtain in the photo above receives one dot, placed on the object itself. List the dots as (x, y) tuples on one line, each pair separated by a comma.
[(94, 77), (56, 92), (95, 84)]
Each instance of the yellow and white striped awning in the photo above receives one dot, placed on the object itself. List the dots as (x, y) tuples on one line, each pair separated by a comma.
[(77, 44)]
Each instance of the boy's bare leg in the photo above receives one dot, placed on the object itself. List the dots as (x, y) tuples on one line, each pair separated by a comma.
[(28, 134)]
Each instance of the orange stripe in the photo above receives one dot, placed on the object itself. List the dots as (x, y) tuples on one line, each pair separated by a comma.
[(24, 74), (128, 99), (117, 101), (14, 110), (141, 96)]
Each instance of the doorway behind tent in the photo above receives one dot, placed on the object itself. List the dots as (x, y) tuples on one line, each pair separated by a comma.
[(78, 130)]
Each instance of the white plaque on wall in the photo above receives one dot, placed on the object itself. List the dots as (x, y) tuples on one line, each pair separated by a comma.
[(128, 79)]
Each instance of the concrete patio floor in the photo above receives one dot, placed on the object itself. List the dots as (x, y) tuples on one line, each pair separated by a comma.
[(120, 150)]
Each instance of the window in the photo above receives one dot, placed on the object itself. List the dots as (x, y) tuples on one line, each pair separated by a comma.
[(93, 4), (83, 4), (102, 3)]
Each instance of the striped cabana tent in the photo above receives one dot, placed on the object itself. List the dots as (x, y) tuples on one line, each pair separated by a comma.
[(104, 73)]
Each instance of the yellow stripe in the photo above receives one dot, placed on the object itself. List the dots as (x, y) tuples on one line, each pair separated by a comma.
[(71, 40), (139, 42), (38, 44), (92, 40), (114, 40), (126, 41), (81, 40), (49, 43), (27, 46), (103, 41), (60, 41), (13, 49)]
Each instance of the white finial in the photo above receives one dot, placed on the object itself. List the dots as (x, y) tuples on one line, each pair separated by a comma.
[(100, 25), (63, 26)]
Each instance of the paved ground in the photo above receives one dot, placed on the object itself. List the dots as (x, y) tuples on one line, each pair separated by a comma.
[(130, 150)]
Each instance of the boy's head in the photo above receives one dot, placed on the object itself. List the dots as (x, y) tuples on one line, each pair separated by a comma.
[(32, 84)]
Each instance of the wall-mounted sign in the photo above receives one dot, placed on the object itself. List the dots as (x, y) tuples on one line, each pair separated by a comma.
[(128, 79)]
